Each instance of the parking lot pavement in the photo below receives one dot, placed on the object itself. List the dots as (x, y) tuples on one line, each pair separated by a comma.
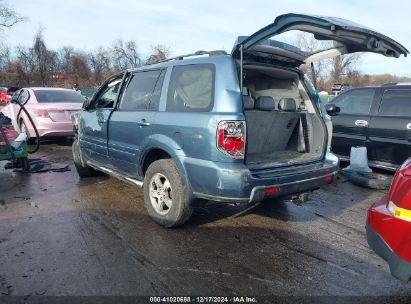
[(63, 236)]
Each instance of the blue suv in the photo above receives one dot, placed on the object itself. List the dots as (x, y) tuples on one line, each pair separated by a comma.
[(239, 127)]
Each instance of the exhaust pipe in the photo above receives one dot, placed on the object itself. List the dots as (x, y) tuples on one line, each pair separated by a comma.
[(298, 199)]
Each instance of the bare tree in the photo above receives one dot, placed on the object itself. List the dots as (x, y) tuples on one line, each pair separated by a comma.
[(24, 67), (63, 58), (158, 52), (45, 59), (344, 67), (100, 65), (338, 69), (307, 43), (125, 54), (8, 16)]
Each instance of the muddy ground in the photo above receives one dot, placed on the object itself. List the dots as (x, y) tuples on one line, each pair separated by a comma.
[(63, 236)]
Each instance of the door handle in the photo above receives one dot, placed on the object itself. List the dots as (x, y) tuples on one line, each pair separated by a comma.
[(143, 123), (361, 123), (409, 126)]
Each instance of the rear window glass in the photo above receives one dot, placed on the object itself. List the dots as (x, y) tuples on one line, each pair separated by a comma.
[(140, 91), (191, 88), (396, 103), (58, 96)]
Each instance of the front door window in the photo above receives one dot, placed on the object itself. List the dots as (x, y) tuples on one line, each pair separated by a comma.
[(108, 95)]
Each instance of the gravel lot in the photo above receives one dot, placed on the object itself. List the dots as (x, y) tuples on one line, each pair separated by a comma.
[(63, 236)]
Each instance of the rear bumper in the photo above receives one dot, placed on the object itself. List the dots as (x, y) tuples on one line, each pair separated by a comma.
[(401, 269), (48, 128), (234, 182)]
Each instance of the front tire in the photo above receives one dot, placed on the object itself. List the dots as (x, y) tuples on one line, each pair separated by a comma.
[(83, 171), (166, 194)]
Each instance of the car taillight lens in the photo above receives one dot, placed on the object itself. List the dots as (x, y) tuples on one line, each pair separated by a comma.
[(398, 212), (231, 138), (46, 112), (41, 113)]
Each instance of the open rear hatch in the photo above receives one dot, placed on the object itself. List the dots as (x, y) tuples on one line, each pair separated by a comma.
[(284, 126), (344, 36)]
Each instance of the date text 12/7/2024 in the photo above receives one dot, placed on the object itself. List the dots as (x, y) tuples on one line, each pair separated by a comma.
[(203, 299)]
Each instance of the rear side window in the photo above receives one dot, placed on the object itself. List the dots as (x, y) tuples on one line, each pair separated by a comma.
[(356, 101), (191, 88), (142, 90), (396, 103)]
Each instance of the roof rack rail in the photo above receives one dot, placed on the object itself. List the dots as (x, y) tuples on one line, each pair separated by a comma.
[(396, 84), (198, 53)]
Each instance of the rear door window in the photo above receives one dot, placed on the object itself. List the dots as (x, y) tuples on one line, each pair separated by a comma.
[(143, 91), (191, 88), (356, 102), (396, 103)]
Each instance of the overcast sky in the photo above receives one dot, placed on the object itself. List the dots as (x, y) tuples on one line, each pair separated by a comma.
[(190, 25)]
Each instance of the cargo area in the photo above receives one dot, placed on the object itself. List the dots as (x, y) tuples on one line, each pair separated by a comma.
[(283, 127)]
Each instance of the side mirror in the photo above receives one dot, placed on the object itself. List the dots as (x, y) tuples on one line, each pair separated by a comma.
[(332, 109), (86, 103), (14, 97)]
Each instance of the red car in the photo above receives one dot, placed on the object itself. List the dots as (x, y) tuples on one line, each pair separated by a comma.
[(389, 225), (6, 93)]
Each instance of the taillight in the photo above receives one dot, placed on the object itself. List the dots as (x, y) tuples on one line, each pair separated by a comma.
[(231, 138), (399, 212), (272, 190), (399, 197), (46, 112), (40, 113)]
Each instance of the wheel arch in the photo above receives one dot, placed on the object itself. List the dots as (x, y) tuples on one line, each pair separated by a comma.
[(159, 150), (22, 120)]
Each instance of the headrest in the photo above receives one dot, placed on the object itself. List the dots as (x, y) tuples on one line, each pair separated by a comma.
[(287, 104), (265, 103), (248, 102)]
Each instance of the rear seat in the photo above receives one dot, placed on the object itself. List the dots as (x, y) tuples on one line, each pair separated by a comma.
[(269, 129), (258, 119), (285, 121)]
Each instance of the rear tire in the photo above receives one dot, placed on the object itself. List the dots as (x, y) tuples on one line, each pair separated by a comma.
[(23, 129), (166, 194), (83, 171)]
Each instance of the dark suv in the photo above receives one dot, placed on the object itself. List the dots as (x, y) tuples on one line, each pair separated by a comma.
[(237, 127), (378, 118)]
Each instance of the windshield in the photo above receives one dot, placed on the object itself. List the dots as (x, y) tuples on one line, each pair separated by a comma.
[(58, 96)]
